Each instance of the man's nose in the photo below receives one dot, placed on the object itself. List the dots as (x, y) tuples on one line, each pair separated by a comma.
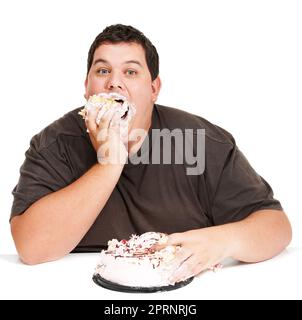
[(113, 86), (115, 82)]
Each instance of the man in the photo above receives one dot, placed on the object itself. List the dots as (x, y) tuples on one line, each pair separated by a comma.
[(66, 200)]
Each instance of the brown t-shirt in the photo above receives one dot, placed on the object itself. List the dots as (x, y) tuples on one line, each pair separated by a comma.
[(148, 197)]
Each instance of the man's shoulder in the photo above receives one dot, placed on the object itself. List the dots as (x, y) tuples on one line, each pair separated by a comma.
[(69, 125), (172, 118)]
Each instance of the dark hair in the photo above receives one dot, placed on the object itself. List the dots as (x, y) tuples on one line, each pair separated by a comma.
[(121, 33)]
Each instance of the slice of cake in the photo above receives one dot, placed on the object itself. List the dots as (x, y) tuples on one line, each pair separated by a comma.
[(133, 263), (105, 101)]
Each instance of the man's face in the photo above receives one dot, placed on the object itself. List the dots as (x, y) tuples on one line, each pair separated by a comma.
[(122, 68)]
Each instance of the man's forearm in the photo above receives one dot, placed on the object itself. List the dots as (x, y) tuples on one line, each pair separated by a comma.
[(56, 223), (259, 237)]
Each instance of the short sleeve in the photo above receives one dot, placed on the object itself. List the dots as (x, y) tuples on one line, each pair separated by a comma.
[(44, 171), (240, 191)]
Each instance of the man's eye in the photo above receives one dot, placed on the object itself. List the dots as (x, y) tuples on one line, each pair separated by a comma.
[(131, 72), (102, 71)]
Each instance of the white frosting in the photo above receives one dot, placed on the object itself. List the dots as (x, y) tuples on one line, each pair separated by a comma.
[(132, 263), (103, 102)]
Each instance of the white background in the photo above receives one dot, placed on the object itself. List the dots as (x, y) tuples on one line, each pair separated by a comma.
[(236, 63)]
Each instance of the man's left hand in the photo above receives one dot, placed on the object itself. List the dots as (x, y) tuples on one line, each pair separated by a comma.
[(201, 249)]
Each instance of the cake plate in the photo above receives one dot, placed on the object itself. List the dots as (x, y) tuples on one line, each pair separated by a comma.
[(117, 287)]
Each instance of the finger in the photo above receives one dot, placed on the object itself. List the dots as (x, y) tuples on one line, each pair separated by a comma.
[(179, 259), (106, 118), (174, 239), (90, 119), (101, 113), (182, 254), (193, 267), (116, 120), (129, 119), (130, 115), (190, 267)]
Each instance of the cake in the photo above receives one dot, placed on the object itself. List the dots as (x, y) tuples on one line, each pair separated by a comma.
[(133, 262), (103, 102)]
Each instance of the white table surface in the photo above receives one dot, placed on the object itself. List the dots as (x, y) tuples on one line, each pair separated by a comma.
[(71, 278)]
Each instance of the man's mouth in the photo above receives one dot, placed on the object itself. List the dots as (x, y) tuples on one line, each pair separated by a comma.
[(122, 101), (115, 96)]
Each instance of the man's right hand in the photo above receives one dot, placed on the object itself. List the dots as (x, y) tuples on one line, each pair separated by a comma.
[(106, 137)]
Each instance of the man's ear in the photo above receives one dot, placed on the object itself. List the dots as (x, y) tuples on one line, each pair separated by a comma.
[(156, 85), (85, 84)]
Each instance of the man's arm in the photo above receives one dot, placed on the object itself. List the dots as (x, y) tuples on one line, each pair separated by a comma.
[(55, 224), (258, 237), (261, 236)]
